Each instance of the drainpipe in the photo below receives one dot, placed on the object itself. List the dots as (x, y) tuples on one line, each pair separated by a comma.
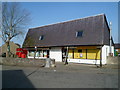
[(35, 52), (110, 51), (100, 48), (66, 62), (100, 57)]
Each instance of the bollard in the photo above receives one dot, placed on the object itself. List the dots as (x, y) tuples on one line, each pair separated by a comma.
[(47, 63), (53, 63)]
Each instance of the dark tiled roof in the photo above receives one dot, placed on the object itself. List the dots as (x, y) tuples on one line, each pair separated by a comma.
[(117, 45), (95, 32)]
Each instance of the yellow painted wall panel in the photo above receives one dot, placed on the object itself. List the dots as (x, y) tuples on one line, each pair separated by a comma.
[(84, 54), (70, 54), (93, 54), (76, 54)]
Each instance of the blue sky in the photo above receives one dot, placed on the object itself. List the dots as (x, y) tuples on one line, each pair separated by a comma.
[(43, 13)]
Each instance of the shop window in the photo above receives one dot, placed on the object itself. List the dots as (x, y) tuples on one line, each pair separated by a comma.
[(41, 53), (45, 53), (80, 51), (93, 54), (31, 53)]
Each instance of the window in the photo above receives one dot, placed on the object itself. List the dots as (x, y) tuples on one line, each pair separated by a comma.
[(79, 33), (80, 51), (41, 37)]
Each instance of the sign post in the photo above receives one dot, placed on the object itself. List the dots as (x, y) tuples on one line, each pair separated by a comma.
[(66, 62)]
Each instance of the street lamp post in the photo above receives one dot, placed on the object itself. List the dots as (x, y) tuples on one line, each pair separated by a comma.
[(66, 62), (100, 57), (35, 52), (110, 49)]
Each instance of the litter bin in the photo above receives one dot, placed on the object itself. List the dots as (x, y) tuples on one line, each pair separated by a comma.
[(47, 62)]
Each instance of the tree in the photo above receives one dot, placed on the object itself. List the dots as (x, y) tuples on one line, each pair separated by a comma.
[(14, 21)]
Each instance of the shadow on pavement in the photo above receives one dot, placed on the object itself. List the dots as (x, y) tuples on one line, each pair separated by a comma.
[(15, 79)]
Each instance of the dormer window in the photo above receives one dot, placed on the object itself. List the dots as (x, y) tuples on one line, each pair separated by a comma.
[(41, 37), (79, 33)]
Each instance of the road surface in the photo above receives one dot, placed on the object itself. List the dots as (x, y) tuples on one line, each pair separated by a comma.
[(70, 76)]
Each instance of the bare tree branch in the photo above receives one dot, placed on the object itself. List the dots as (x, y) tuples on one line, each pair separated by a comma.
[(14, 20)]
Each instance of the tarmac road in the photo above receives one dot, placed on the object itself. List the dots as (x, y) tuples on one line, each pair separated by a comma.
[(71, 76)]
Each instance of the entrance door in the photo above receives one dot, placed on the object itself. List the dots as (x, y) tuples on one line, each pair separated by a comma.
[(47, 53)]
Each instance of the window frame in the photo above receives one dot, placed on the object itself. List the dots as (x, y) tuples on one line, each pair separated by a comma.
[(79, 33), (41, 37), (80, 50)]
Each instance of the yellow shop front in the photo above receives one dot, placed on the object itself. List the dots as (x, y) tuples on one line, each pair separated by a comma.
[(84, 53)]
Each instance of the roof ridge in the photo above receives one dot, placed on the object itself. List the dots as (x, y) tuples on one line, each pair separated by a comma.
[(67, 21)]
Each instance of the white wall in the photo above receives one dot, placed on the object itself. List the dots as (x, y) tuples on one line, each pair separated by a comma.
[(37, 57), (56, 53), (85, 61), (105, 53)]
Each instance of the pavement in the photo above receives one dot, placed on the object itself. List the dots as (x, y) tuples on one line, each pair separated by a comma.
[(61, 76)]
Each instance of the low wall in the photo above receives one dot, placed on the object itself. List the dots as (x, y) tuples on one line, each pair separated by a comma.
[(113, 60), (22, 61)]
